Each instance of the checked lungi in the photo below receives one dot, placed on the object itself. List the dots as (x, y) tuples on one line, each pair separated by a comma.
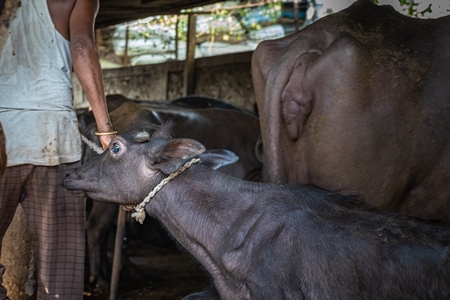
[(56, 218)]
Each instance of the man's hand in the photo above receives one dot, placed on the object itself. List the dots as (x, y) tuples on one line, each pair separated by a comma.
[(105, 140)]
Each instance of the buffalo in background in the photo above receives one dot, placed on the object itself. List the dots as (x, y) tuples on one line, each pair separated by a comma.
[(211, 121), (359, 102)]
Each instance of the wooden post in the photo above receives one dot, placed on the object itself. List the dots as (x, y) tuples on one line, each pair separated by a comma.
[(126, 60), (189, 65), (117, 254), (176, 37)]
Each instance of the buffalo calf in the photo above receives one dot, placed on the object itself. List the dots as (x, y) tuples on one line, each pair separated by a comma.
[(234, 129), (264, 240)]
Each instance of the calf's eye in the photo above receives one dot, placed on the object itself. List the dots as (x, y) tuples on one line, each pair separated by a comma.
[(115, 148)]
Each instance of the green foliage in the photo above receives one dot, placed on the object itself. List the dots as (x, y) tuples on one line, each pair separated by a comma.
[(224, 21), (411, 8), (271, 10), (153, 26)]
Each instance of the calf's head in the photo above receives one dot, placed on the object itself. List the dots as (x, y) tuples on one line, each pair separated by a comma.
[(137, 161)]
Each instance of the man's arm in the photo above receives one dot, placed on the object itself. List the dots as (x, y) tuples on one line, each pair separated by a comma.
[(86, 63)]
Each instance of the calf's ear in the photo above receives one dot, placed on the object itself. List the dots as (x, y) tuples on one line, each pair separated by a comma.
[(171, 156), (218, 158)]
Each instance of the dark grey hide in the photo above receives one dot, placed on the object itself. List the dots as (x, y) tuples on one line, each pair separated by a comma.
[(200, 118), (269, 241)]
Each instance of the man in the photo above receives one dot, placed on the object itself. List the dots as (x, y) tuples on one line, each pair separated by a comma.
[(45, 40)]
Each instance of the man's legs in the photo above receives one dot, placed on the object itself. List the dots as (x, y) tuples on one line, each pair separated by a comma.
[(56, 217), (10, 193)]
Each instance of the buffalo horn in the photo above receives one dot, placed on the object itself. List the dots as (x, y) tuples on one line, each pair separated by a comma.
[(142, 137)]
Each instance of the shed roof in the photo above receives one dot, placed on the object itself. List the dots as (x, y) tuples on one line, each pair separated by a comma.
[(119, 11)]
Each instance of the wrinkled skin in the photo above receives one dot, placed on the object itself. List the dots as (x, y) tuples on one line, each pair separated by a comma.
[(265, 241), (233, 129), (359, 102)]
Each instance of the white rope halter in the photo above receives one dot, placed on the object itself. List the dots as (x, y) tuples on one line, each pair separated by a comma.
[(139, 213)]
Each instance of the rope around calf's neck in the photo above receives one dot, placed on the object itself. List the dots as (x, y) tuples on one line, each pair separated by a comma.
[(139, 213)]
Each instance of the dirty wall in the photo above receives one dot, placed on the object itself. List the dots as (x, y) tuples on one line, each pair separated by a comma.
[(225, 77)]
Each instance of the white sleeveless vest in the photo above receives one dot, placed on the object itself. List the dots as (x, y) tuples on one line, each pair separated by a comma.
[(36, 105)]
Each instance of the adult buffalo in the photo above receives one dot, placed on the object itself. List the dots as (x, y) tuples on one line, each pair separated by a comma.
[(217, 128), (360, 102), (234, 129)]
